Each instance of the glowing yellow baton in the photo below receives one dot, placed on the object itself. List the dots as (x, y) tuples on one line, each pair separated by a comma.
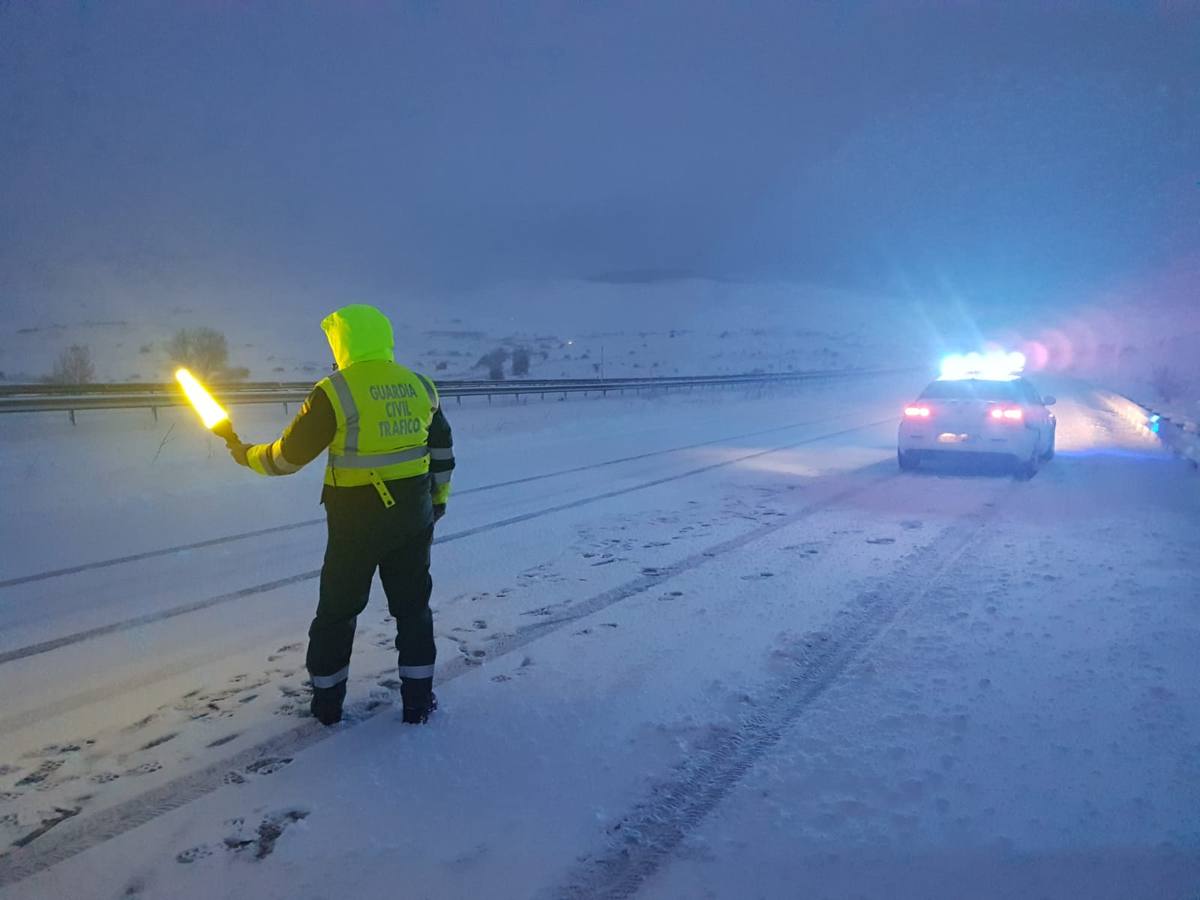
[(211, 414)]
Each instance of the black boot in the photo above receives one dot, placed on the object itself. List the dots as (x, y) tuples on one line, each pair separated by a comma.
[(326, 704), (418, 698), (419, 715)]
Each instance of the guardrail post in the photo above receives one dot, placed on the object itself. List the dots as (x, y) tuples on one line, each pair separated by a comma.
[(71, 413), (154, 412)]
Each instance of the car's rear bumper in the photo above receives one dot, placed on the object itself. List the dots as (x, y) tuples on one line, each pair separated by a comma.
[(924, 440), (964, 457)]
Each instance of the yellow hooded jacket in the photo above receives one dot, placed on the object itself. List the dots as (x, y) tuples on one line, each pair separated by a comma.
[(382, 414)]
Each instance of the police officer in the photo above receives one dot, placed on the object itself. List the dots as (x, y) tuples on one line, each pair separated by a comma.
[(386, 482)]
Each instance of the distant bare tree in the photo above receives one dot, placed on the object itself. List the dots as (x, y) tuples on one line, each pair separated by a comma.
[(494, 363), (520, 361), (233, 373), (74, 366), (204, 350)]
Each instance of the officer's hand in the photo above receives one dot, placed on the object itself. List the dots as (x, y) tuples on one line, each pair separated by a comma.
[(238, 452), (439, 510)]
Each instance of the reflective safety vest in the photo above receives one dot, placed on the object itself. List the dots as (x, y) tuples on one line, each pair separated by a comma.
[(383, 413)]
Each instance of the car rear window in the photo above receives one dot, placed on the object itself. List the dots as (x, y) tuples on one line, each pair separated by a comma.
[(1002, 391)]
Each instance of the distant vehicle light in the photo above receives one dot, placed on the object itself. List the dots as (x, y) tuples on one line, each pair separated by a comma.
[(917, 412)]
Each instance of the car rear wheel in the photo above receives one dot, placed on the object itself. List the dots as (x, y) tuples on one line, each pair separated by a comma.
[(1029, 468), (1049, 454), (908, 460)]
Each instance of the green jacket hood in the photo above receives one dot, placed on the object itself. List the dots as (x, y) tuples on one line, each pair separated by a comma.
[(358, 333)]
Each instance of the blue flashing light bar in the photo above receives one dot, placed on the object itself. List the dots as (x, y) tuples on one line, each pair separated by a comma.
[(993, 366)]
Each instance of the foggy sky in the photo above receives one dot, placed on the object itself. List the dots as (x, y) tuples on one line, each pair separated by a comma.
[(1026, 153)]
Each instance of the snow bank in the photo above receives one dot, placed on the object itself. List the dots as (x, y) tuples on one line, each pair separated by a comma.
[(1181, 436)]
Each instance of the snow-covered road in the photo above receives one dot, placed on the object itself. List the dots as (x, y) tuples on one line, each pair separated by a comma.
[(731, 653)]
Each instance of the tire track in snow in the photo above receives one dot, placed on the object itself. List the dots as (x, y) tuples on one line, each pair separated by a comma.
[(86, 831), (654, 829), (77, 637), (308, 523)]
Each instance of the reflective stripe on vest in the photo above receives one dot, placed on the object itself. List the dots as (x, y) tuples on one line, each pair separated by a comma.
[(369, 447), (376, 460), (349, 409)]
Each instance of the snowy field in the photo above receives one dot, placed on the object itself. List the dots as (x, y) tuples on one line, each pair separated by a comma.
[(708, 644), (571, 328)]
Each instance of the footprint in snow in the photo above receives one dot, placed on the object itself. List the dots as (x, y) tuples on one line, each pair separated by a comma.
[(268, 765), (145, 768), (41, 773), (261, 842), (192, 854), (882, 540)]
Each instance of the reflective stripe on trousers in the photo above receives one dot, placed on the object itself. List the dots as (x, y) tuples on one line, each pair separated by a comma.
[(328, 681), (416, 671)]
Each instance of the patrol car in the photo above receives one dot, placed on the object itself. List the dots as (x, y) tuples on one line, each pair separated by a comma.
[(982, 407)]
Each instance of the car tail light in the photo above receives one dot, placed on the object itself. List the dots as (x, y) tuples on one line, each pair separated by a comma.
[(1008, 413), (917, 412)]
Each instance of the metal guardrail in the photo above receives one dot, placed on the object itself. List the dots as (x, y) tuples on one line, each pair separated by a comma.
[(77, 398)]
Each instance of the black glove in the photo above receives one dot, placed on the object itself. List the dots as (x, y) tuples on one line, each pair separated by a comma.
[(439, 510), (238, 452)]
